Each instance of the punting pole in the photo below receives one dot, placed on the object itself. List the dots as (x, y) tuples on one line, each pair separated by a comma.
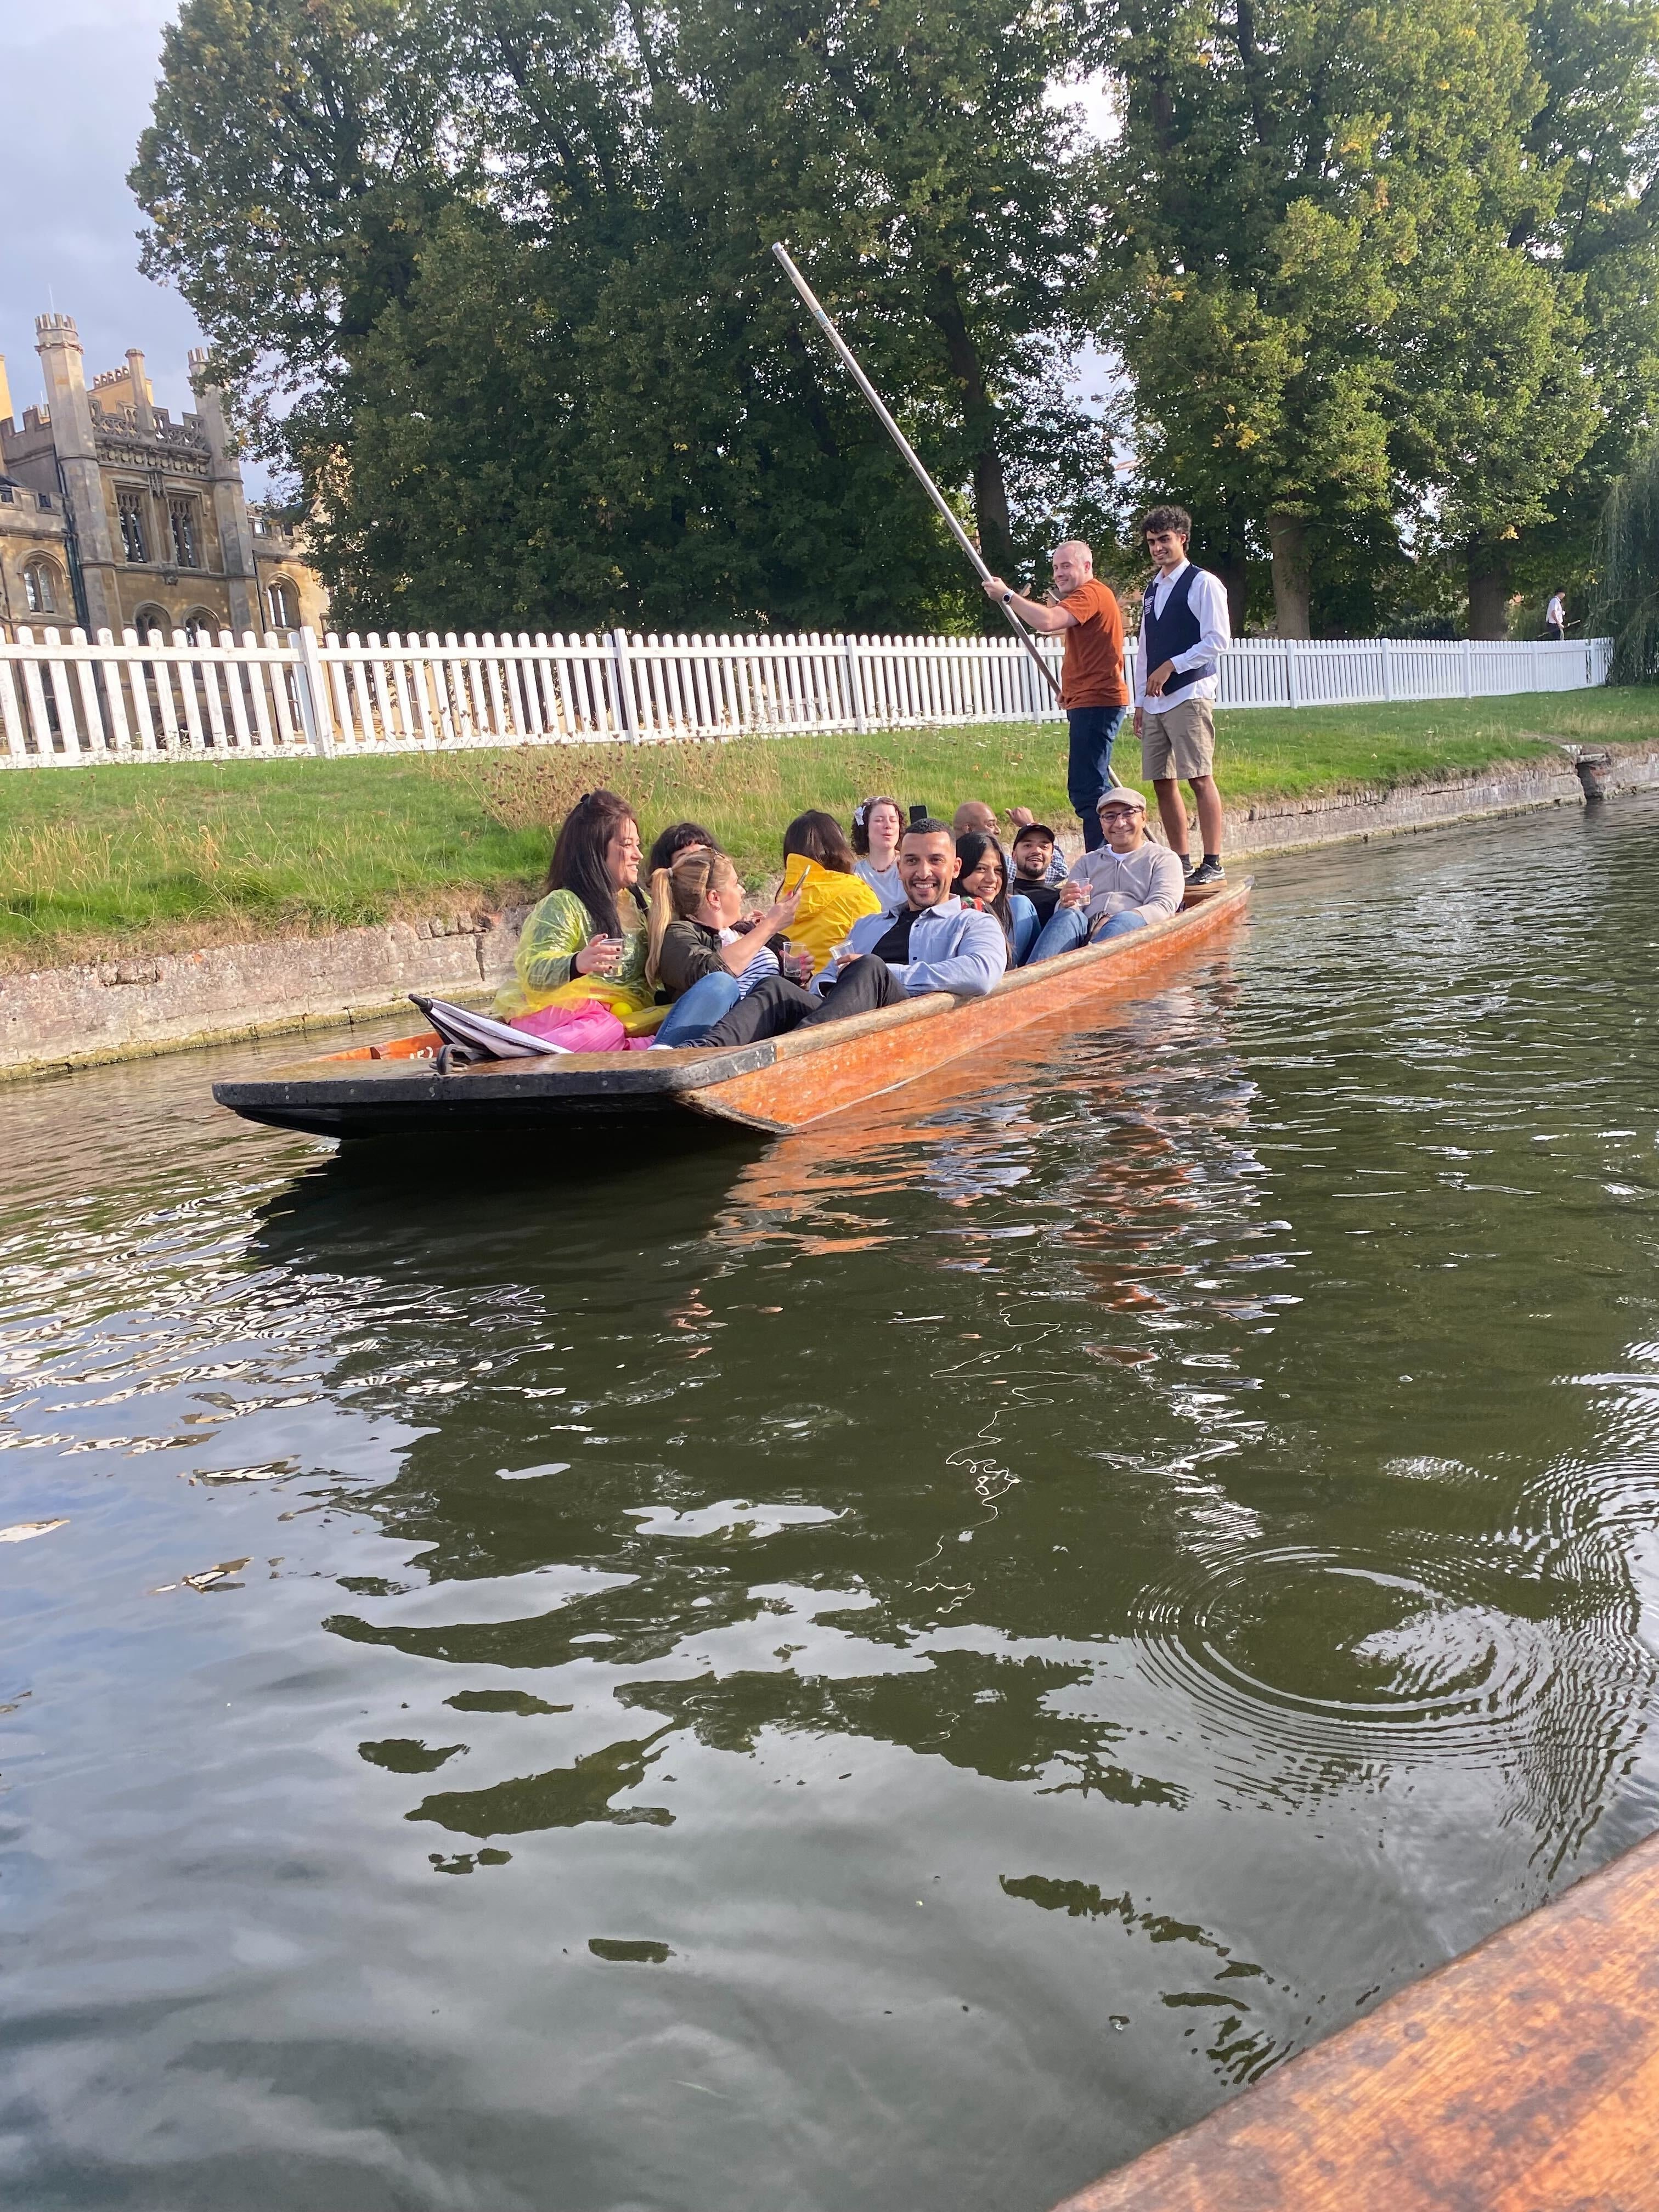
[(878, 409)]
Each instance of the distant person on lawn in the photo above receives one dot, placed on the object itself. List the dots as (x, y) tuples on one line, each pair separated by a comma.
[(1184, 624), (1091, 689), (1555, 618)]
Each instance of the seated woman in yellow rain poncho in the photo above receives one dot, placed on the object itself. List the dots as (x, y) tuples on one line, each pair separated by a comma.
[(575, 945), (818, 862)]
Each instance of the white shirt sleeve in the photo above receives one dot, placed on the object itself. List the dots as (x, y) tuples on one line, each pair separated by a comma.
[(1156, 591), (1208, 601)]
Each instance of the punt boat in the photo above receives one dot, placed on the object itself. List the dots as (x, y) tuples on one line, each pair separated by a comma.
[(404, 1089)]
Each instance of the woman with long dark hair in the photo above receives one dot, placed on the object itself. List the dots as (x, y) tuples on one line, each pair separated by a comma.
[(984, 876), (586, 938)]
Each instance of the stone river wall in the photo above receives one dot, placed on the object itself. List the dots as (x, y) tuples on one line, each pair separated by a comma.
[(65, 1017)]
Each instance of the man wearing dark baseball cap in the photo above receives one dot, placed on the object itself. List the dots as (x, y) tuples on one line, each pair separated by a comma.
[(1126, 883), (1035, 876)]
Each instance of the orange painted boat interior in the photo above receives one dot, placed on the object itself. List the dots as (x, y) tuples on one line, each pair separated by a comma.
[(426, 1046), (1523, 2077)]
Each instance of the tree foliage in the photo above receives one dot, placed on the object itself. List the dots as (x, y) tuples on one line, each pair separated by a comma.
[(1383, 269), (513, 257), (1595, 133), (1628, 596), (492, 275)]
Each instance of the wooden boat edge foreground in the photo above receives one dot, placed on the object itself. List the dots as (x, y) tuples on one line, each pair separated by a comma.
[(781, 1083), (1522, 2077)]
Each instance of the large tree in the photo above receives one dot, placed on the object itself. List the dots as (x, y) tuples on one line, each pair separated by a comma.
[(513, 258), (1595, 134), (1319, 278)]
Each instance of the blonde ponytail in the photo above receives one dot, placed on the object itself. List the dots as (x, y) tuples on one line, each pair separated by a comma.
[(676, 892)]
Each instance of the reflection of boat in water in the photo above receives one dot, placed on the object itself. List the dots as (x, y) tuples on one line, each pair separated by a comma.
[(783, 1083)]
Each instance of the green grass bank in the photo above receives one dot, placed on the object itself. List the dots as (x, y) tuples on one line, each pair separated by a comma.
[(165, 858)]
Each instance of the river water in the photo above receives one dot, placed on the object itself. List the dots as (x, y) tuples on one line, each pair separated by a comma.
[(894, 1668)]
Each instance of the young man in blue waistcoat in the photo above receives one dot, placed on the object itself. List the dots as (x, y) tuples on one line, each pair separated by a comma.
[(1184, 625)]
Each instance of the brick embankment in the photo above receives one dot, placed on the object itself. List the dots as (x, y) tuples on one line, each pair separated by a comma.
[(65, 1017)]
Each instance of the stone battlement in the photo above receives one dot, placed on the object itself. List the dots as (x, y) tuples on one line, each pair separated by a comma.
[(125, 517)]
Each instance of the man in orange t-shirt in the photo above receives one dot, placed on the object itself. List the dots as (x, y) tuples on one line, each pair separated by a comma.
[(1091, 687)]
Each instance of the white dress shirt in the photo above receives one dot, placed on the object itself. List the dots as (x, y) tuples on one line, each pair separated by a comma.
[(1208, 601)]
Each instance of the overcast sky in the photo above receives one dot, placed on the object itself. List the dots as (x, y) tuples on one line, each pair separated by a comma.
[(80, 77)]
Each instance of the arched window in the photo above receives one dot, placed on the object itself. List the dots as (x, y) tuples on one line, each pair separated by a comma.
[(202, 626), (284, 601), (132, 505), (41, 587), (151, 618), (184, 522)]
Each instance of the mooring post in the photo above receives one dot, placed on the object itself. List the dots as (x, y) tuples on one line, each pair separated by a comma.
[(1592, 770)]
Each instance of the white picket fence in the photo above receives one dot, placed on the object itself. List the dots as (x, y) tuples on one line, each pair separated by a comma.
[(69, 702)]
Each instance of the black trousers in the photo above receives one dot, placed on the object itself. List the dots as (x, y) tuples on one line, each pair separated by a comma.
[(776, 1005)]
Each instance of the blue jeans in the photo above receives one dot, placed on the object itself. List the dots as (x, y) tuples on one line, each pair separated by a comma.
[(1023, 918), (709, 998), (1089, 770), (1067, 928)]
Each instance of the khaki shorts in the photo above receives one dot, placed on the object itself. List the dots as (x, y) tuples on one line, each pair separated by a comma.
[(1179, 743)]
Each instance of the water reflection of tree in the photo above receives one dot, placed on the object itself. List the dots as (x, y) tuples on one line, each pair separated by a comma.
[(1024, 1469)]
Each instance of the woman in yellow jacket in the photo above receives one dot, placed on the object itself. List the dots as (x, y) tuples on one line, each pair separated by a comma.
[(587, 938), (818, 863)]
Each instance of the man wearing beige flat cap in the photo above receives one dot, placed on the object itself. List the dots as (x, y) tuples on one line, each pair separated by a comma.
[(1126, 883)]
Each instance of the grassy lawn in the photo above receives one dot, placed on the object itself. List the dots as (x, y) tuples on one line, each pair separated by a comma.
[(163, 858)]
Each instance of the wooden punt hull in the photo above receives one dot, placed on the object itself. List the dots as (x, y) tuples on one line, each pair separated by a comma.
[(782, 1083), (1523, 2077)]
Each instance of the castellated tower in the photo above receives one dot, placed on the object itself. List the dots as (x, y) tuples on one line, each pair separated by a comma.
[(229, 507), (69, 411), (114, 517)]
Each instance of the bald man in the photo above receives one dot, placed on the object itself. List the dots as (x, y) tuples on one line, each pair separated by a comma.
[(974, 814), (1091, 687)]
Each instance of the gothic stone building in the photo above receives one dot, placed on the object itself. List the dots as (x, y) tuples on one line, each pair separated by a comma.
[(114, 517)]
